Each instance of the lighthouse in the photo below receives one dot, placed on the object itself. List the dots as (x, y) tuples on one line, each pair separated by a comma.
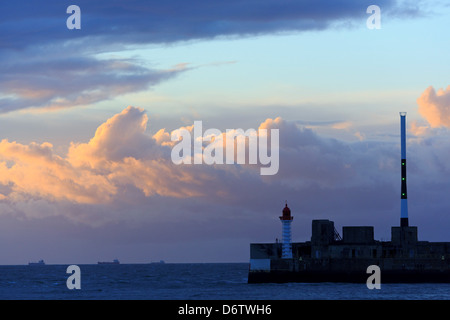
[(286, 220)]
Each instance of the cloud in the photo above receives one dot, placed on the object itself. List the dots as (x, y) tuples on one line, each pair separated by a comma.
[(68, 81), (123, 158), (359, 135), (435, 107), (34, 172), (418, 130), (122, 155), (137, 21), (119, 154), (120, 137), (46, 66), (125, 173), (345, 125), (121, 188)]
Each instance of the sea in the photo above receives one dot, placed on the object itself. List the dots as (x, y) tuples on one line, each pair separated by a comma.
[(193, 281)]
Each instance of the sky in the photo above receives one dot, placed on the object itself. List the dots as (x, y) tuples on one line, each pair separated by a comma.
[(86, 117)]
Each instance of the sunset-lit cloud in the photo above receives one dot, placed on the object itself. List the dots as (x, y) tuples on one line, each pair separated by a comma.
[(122, 154), (73, 81), (417, 129), (435, 107), (120, 23), (34, 171)]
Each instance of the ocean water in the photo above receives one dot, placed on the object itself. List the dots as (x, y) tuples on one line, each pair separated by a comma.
[(215, 281)]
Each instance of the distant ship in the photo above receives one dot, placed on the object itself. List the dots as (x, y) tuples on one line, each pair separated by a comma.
[(115, 261), (160, 262), (39, 263)]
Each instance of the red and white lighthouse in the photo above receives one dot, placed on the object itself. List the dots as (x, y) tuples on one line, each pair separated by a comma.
[(286, 220)]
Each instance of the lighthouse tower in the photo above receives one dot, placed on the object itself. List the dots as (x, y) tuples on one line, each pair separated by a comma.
[(286, 220)]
